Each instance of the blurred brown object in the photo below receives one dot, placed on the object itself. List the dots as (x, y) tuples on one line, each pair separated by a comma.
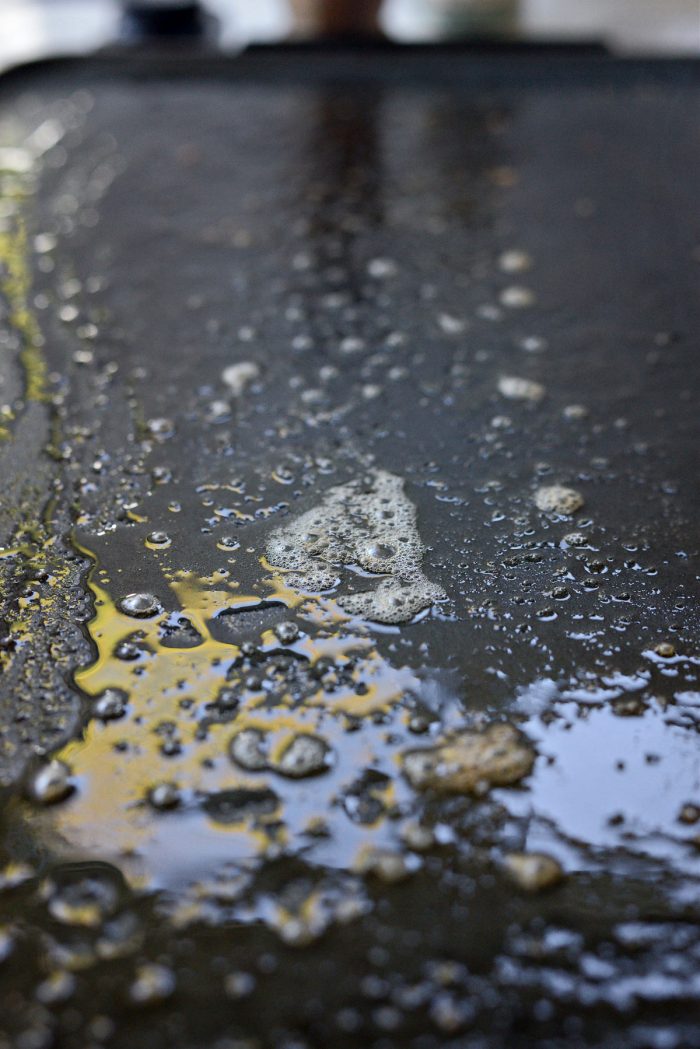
[(336, 18)]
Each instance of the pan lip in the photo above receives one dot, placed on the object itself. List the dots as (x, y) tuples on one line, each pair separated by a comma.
[(471, 65)]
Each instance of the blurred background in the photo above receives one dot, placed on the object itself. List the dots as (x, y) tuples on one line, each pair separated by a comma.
[(32, 28)]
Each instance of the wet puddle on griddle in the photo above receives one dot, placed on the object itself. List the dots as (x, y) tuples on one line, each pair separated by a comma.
[(212, 752)]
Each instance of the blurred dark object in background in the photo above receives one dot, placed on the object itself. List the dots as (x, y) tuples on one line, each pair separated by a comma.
[(145, 19), (336, 18)]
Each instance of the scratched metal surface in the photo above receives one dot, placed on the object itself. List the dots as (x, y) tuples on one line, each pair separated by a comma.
[(384, 243)]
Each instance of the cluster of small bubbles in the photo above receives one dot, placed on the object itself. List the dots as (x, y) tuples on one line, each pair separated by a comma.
[(368, 522), (558, 499), (574, 539)]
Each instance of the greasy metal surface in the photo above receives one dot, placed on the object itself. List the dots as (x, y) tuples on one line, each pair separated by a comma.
[(221, 301)]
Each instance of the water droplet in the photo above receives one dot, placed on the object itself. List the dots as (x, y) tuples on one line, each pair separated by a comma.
[(517, 297), (533, 871), (56, 988), (379, 551), (127, 651), (140, 605), (158, 539), (287, 632), (86, 902), (110, 705), (161, 428), (516, 389), (574, 539), (238, 376), (51, 783), (239, 985), (7, 943), (247, 749), (227, 542), (305, 755), (514, 261), (164, 796), (153, 984)]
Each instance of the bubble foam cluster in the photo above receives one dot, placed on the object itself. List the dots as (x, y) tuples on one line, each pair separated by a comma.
[(367, 524)]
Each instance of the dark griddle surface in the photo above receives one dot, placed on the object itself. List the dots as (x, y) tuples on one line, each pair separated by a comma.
[(209, 211)]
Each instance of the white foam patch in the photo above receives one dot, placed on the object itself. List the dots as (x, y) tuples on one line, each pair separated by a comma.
[(368, 523)]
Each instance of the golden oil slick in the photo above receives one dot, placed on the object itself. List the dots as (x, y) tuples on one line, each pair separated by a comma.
[(15, 286), (170, 695)]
